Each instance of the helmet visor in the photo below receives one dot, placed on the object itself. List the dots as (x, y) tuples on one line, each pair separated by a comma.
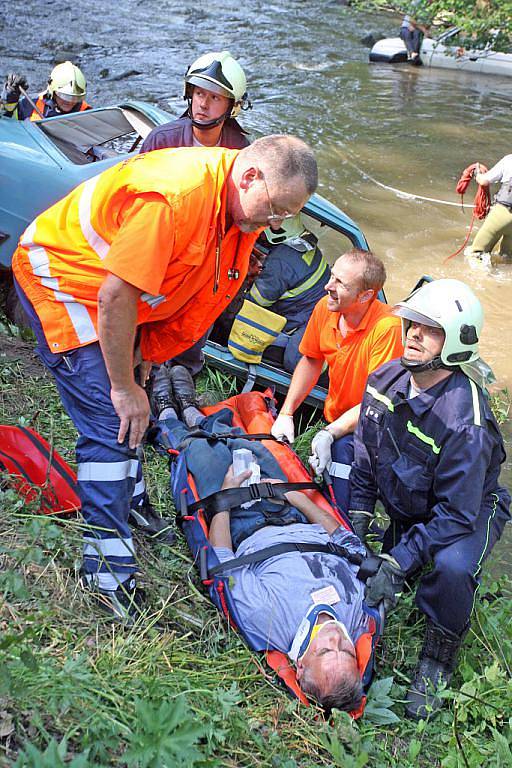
[(407, 313), (70, 98), (208, 85)]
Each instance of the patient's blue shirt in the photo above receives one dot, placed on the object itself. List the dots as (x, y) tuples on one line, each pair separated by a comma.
[(273, 596)]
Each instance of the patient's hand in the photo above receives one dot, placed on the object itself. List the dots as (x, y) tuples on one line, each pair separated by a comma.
[(230, 481)]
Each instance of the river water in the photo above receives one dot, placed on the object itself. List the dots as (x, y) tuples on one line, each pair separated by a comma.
[(410, 128)]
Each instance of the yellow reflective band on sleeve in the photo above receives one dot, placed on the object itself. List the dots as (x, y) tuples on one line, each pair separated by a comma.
[(307, 284), (258, 298), (309, 256), (476, 403), (381, 398), (423, 437)]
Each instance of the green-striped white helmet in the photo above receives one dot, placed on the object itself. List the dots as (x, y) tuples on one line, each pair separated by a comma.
[(220, 73), (450, 305)]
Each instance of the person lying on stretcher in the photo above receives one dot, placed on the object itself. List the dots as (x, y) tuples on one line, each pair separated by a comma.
[(308, 605)]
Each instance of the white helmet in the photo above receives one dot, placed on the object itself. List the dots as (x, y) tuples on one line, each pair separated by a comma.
[(452, 306), (67, 79), (289, 230), (220, 73)]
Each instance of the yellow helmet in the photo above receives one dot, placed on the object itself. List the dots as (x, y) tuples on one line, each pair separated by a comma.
[(67, 79)]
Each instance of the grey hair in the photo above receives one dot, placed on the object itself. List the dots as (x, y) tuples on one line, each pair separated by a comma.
[(287, 156), (374, 272), (346, 695)]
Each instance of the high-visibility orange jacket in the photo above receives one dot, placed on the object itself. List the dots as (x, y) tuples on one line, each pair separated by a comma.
[(351, 359), (156, 221), (46, 108)]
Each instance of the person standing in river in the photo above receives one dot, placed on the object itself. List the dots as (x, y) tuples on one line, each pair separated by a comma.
[(497, 227)]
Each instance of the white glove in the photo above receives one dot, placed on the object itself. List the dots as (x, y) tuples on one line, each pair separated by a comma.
[(283, 427), (321, 451)]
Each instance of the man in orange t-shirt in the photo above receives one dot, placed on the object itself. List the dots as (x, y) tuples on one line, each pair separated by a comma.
[(131, 268), (354, 333)]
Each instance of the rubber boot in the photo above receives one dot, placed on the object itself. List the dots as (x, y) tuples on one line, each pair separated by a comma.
[(183, 387), (437, 661)]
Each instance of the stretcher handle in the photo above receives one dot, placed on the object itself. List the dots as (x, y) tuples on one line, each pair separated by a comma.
[(203, 564)]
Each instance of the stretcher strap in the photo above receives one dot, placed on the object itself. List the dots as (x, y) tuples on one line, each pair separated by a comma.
[(281, 549), (221, 437), (223, 501)]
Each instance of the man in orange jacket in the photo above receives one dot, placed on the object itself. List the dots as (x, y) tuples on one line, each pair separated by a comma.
[(129, 269)]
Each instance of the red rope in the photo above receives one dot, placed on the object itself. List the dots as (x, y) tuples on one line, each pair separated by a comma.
[(481, 203)]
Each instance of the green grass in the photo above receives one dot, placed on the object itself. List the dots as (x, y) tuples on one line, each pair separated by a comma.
[(180, 688)]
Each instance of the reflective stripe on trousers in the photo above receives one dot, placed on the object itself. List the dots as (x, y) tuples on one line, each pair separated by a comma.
[(342, 452), (106, 470)]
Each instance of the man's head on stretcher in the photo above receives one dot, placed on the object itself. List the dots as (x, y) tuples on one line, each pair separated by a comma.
[(312, 602), (328, 671)]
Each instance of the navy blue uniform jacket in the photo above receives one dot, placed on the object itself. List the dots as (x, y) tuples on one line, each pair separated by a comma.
[(178, 133), (434, 460)]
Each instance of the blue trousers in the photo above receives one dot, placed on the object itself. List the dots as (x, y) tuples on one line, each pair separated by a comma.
[(342, 452), (106, 470), (446, 593), (209, 460), (412, 39)]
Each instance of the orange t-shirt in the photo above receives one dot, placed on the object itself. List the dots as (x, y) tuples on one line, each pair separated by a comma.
[(377, 339)]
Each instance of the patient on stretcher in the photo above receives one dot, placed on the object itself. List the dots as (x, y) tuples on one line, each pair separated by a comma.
[(307, 604)]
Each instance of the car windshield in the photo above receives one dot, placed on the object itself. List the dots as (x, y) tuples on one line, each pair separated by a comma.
[(95, 134)]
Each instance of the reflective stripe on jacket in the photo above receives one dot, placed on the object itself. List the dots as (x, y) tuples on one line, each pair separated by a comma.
[(292, 282), (434, 460), (48, 108), (60, 262)]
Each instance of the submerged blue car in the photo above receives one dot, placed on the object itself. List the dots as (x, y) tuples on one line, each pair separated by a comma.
[(42, 161)]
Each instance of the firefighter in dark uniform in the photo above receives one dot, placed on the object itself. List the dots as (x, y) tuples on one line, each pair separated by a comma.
[(216, 92), (64, 95), (428, 445), (292, 282)]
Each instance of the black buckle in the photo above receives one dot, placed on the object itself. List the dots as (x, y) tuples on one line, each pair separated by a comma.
[(256, 493)]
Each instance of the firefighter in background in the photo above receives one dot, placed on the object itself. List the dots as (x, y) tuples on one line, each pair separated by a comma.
[(291, 284), (64, 95), (216, 91)]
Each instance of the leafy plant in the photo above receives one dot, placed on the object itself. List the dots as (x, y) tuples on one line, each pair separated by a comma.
[(484, 22), (54, 756), (163, 736)]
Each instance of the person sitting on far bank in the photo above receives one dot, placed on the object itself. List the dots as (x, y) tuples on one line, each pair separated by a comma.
[(291, 283), (64, 95), (428, 447), (354, 333), (216, 92), (497, 227), (307, 605), (412, 33)]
